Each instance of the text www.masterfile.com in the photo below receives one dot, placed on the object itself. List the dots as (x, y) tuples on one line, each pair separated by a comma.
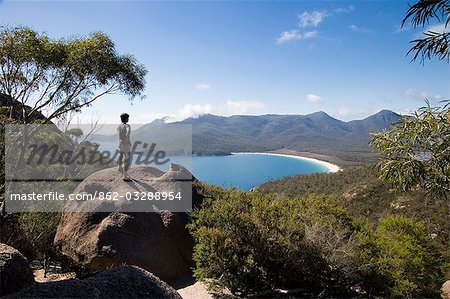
[(97, 195)]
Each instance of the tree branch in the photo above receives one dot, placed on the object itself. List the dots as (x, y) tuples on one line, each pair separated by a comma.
[(110, 90)]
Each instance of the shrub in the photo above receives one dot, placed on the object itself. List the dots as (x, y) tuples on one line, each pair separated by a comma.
[(249, 243), (402, 259), (40, 229)]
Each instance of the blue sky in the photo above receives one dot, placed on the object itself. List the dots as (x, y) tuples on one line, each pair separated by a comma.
[(346, 58)]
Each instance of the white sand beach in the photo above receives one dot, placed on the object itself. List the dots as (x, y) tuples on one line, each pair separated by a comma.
[(331, 167)]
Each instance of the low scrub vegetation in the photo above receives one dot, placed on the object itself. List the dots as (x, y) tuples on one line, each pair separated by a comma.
[(355, 237)]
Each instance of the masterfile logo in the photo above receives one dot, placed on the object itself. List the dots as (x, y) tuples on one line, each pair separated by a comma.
[(49, 170)]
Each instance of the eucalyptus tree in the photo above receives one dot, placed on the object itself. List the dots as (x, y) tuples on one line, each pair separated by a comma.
[(415, 153), (55, 76), (43, 79), (435, 42)]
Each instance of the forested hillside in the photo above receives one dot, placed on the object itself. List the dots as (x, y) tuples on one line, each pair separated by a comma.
[(344, 234), (316, 132), (364, 194)]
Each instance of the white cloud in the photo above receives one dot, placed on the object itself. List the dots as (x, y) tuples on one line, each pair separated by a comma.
[(202, 86), (347, 9), (344, 112), (229, 108), (292, 35), (347, 114), (407, 111), (314, 18), (420, 95), (288, 36), (95, 116), (411, 93), (243, 107), (313, 98), (311, 19), (144, 118), (189, 110), (355, 28), (439, 28), (310, 34), (415, 94)]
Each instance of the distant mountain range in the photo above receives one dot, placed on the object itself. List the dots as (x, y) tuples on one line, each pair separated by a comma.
[(317, 132)]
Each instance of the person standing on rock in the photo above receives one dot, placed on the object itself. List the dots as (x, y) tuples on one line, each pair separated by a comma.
[(124, 131)]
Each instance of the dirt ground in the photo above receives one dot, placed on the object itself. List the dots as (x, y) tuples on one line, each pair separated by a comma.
[(39, 276)]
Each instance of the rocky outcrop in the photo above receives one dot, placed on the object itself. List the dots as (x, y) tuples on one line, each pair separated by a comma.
[(15, 272), (155, 241), (445, 290), (121, 282)]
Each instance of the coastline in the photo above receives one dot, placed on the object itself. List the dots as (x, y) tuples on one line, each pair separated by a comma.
[(330, 166)]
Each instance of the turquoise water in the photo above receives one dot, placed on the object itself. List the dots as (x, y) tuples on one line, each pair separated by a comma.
[(242, 171), (245, 171)]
